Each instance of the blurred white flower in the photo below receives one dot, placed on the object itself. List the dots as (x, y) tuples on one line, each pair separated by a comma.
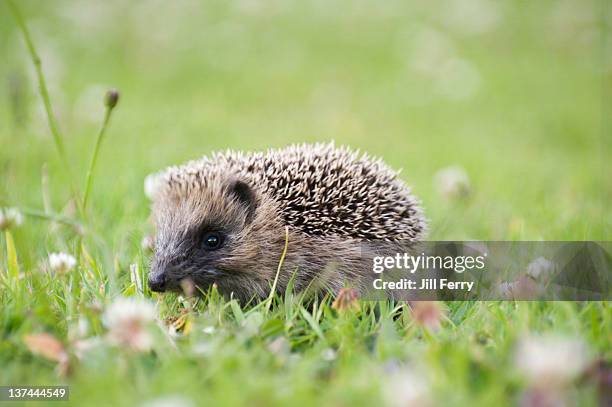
[(169, 401), (279, 346), (82, 347), (523, 288), (209, 330), (453, 182), (10, 218), (551, 361), (328, 354), (128, 321), (541, 268), (61, 263), (544, 398), (505, 290), (407, 388), (152, 184), (173, 332), (147, 243), (203, 349)]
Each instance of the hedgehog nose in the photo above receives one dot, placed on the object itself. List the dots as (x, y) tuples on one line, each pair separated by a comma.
[(157, 282)]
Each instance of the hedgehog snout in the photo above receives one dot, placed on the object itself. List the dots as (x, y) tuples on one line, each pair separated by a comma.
[(157, 282), (170, 267), (160, 273)]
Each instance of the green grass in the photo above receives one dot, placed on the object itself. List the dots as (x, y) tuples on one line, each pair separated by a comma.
[(533, 136)]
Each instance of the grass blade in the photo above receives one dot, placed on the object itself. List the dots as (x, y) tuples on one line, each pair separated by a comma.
[(278, 269), (11, 256)]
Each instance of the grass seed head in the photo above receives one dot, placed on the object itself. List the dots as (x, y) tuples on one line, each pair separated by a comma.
[(111, 98)]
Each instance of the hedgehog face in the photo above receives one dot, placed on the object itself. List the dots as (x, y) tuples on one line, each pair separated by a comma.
[(205, 233)]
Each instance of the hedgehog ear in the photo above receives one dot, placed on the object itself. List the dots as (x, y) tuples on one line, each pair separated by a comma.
[(245, 195)]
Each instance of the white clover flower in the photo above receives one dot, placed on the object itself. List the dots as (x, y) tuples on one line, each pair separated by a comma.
[(406, 388), (279, 346), (505, 289), (10, 218), (551, 361), (541, 268), (453, 182), (152, 184), (61, 263), (128, 321), (523, 288), (173, 332)]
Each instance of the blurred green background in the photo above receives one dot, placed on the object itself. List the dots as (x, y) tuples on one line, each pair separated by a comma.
[(512, 91)]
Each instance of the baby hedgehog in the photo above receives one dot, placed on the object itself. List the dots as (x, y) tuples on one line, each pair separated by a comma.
[(226, 219)]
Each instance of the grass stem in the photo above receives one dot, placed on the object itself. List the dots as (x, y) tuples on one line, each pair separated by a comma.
[(94, 156), (44, 93), (51, 217)]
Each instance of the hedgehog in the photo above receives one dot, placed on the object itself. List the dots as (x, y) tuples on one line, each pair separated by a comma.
[(309, 216)]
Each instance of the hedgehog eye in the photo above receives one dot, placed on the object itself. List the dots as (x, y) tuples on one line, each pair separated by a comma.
[(212, 240)]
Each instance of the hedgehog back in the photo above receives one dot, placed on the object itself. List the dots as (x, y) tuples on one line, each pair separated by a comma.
[(324, 190)]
